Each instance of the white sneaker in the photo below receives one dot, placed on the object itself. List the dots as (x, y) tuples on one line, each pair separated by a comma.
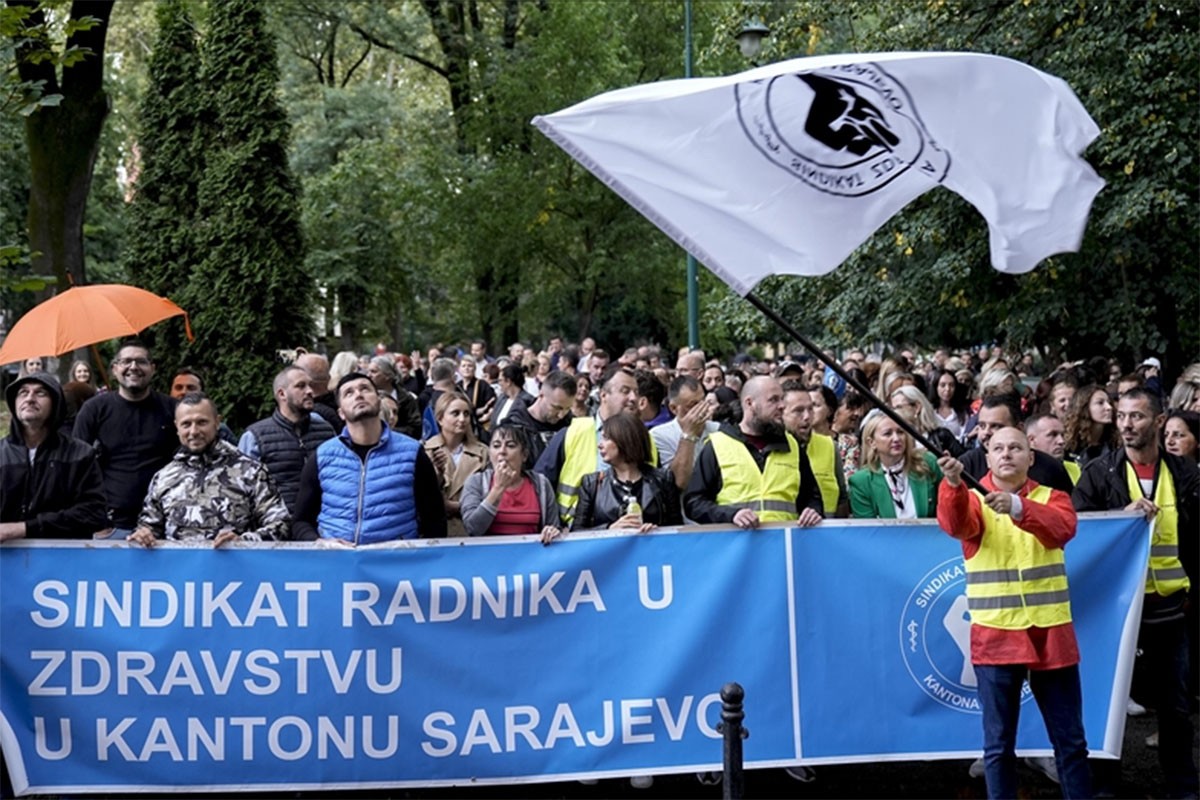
[(710, 778), (802, 774), (976, 768), (641, 781), (1134, 709), (1152, 740), (1044, 765)]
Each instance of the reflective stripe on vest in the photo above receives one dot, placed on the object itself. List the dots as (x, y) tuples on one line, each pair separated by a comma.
[(822, 456), (1013, 582), (1073, 471), (1164, 575), (771, 493), (581, 456)]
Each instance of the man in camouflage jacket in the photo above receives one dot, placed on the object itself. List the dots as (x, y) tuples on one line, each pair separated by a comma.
[(209, 490)]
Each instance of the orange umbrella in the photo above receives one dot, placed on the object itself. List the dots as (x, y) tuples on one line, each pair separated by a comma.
[(84, 315)]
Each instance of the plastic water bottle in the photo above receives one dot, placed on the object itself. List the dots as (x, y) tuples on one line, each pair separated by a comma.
[(632, 506)]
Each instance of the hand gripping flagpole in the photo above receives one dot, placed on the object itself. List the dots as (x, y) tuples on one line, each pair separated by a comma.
[(853, 382)]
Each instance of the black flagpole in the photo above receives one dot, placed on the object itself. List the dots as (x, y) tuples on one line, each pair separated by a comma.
[(850, 380)]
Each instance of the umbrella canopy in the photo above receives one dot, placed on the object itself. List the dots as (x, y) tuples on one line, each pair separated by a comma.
[(787, 168), (85, 315)]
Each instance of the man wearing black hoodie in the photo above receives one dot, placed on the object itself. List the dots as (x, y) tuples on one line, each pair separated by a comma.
[(50, 483)]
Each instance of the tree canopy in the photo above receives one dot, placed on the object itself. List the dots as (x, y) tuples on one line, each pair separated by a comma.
[(413, 202)]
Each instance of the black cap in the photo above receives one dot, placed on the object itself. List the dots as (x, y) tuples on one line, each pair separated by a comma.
[(347, 378)]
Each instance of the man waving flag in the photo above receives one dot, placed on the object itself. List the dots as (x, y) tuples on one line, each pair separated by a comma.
[(787, 168)]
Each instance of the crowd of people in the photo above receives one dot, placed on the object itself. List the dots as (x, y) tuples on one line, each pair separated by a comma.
[(362, 449)]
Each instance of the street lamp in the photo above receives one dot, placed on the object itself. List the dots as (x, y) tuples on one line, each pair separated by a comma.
[(693, 272), (750, 37)]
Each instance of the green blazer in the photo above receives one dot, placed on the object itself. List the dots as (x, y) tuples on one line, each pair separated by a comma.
[(871, 498)]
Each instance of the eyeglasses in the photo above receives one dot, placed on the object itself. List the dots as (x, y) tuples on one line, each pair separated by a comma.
[(132, 362)]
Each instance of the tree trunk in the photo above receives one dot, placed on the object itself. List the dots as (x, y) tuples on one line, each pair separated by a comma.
[(63, 143), (63, 140)]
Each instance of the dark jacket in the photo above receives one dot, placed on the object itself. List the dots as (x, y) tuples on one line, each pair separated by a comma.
[(1046, 470), (61, 494), (326, 407), (1103, 486), (700, 499), (283, 446), (540, 433), (599, 506), (408, 414)]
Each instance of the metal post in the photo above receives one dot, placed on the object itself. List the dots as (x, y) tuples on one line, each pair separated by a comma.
[(693, 277), (732, 695)]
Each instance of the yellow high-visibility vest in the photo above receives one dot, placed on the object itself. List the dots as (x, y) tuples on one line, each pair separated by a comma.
[(1164, 575), (822, 456), (1013, 581), (581, 457), (771, 493)]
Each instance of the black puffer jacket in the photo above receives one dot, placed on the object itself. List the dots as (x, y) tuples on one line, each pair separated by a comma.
[(60, 495)]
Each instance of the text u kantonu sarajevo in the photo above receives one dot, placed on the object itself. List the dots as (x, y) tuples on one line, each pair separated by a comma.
[(207, 604), (504, 730)]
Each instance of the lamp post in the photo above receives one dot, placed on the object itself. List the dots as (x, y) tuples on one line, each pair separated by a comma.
[(693, 276)]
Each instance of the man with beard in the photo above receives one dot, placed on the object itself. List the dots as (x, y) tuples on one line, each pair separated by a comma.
[(317, 367), (1142, 477), (133, 433), (286, 439), (575, 451), (548, 414), (368, 484), (209, 490), (821, 449), (50, 484), (756, 472)]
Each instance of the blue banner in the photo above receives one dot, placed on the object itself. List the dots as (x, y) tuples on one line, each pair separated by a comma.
[(487, 661)]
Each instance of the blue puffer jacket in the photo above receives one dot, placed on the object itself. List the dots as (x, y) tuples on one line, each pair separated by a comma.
[(371, 501)]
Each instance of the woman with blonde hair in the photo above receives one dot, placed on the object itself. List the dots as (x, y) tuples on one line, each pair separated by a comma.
[(896, 480), (342, 365), (910, 403), (1185, 396), (455, 453)]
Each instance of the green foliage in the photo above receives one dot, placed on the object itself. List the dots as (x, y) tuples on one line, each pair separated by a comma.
[(249, 295), (160, 248), (37, 43), (925, 277)]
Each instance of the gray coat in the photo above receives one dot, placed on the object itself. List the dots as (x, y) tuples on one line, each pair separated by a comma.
[(478, 515)]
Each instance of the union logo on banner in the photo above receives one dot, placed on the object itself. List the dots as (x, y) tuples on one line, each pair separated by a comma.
[(848, 130), (935, 638)]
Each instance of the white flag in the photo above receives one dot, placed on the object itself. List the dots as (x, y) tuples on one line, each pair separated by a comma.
[(787, 168)]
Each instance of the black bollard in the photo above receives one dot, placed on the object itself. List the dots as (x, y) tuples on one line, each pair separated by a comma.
[(732, 695)]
